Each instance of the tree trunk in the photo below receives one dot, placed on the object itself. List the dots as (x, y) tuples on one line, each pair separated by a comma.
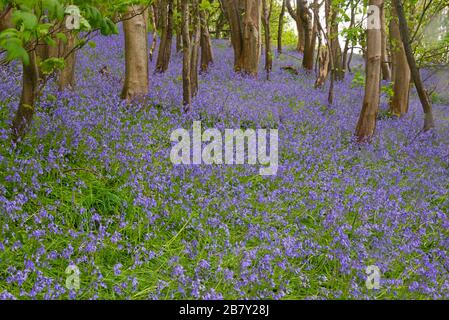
[(178, 28), (66, 77), (345, 61), (5, 18), (186, 48), (154, 27), (338, 69), (207, 56), (136, 53), (299, 27), (323, 62), (401, 71), (367, 120), (386, 72), (309, 42), (219, 25), (416, 76), (195, 43), (266, 25), (25, 112), (163, 57), (281, 26), (245, 24)]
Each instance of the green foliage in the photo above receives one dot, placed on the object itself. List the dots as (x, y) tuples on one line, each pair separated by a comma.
[(358, 80), (206, 5), (48, 66), (388, 90), (24, 20), (37, 20)]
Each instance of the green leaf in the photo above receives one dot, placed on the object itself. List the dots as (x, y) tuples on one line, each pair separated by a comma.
[(54, 8), (26, 19), (50, 41), (16, 52), (61, 36), (44, 28), (49, 65)]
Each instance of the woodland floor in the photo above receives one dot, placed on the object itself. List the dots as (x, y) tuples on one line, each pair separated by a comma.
[(93, 186)]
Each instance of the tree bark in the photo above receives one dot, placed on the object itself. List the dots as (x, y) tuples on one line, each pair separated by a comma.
[(24, 115), (219, 25), (401, 75), (207, 56), (5, 18), (178, 28), (66, 77), (281, 27), (266, 24), (245, 23), (323, 62), (309, 42), (345, 60), (163, 57), (136, 54), (299, 27), (154, 27), (186, 48), (367, 120), (338, 69), (195, 43), (416, 76), (386, 71)]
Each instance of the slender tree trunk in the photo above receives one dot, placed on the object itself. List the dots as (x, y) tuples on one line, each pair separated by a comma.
[(154, 27), (207, 56), (219, 25), (367, 120), (323, 56), (195, 43), (24, 115), (266, 24), (350, 60), (330, 97), (163, 56), (281, 26), (386, 71), (186, 48), (136, 54), (338, 70), (401, 71), (345, 60), (416, 76), (178, 28), (323, 62)]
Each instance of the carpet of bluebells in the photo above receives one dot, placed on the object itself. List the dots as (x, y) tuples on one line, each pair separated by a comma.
[(93, 186)]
